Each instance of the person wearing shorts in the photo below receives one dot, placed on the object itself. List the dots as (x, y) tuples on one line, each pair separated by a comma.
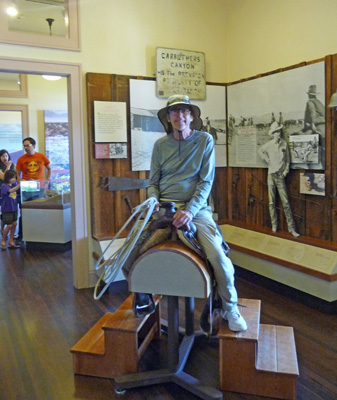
[(9, 207)]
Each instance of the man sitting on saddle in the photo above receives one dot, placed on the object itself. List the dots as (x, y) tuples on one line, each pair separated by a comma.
[(182, 171)]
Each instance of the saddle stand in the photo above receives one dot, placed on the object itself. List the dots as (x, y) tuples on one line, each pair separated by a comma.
[(173, 270)]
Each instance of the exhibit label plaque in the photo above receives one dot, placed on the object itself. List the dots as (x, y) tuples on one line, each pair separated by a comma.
[(180, 72)]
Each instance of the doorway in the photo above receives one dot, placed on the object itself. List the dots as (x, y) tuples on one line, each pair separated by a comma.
[(73, 73)]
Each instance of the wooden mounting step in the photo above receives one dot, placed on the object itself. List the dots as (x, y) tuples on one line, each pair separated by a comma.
[(276, 350), (260, 361), (250, 310), (115, 344)]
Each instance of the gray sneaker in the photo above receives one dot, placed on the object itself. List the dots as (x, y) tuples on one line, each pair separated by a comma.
[(235, 320)]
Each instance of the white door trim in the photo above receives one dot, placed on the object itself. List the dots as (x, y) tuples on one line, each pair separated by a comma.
[(76, 154)]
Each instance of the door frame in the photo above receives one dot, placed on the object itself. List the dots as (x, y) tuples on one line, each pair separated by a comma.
[(79, 223)]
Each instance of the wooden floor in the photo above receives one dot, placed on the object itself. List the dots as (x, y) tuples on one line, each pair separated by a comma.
[(42, 316)]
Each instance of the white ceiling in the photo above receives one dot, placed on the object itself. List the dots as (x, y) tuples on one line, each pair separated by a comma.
[(32, 15)]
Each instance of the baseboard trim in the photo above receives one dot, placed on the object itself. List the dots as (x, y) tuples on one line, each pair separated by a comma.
[(39, 246)]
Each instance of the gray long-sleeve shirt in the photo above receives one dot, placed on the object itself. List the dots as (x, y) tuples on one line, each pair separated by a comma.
[(183, 170)]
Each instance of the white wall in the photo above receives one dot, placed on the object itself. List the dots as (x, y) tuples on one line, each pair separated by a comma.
[(121, 36), (241, 38), (264, 35)]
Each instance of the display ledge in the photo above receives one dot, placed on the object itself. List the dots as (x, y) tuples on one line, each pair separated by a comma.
[(45, 205), (310, 269), (312, 260), (57, 202)]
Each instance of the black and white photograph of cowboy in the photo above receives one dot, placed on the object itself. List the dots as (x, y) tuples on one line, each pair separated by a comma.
[(146, 128), (293, 99), (314, 123), (304, 149), (311, 183)]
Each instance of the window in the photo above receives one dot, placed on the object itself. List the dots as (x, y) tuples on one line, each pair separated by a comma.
[(13, 85), (13, 127)]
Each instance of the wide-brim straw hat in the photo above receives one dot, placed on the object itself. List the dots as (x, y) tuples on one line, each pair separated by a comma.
[(175, 100)]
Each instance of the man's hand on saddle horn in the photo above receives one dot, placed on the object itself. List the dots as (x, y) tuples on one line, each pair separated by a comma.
[(182, 217), (156, 208)]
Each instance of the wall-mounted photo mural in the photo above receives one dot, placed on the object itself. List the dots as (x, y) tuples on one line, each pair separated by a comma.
[(295, 99)]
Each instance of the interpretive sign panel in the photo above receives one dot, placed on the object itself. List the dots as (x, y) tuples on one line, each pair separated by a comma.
[(110, 121)]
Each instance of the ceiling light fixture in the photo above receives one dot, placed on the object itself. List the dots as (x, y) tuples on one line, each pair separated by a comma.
[(51, 77), (50, 23), (12, 9)]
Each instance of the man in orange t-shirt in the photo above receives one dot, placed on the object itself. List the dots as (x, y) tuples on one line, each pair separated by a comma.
[(31, 165)]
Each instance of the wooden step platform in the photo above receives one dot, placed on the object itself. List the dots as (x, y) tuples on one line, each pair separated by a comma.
[(260, 361), (115, 344)]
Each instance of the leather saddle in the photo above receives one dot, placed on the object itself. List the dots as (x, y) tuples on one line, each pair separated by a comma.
[(159, 231)]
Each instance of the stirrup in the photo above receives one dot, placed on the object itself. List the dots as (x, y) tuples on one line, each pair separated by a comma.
[(143, 304)]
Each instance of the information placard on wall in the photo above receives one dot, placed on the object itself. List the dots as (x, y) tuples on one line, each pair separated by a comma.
[(180, 72), (110, 121)]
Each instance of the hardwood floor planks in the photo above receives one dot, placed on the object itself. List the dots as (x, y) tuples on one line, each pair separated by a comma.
[(42, 316)]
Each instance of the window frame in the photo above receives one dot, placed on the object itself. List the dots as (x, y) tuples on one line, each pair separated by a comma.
[(23, 108), (72, 42), (22, 92)]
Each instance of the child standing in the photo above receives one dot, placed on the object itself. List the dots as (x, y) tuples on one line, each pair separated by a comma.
[(5, 165), (9, 207)]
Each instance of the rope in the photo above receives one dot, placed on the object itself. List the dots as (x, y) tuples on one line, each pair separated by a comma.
[(114, 263)]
